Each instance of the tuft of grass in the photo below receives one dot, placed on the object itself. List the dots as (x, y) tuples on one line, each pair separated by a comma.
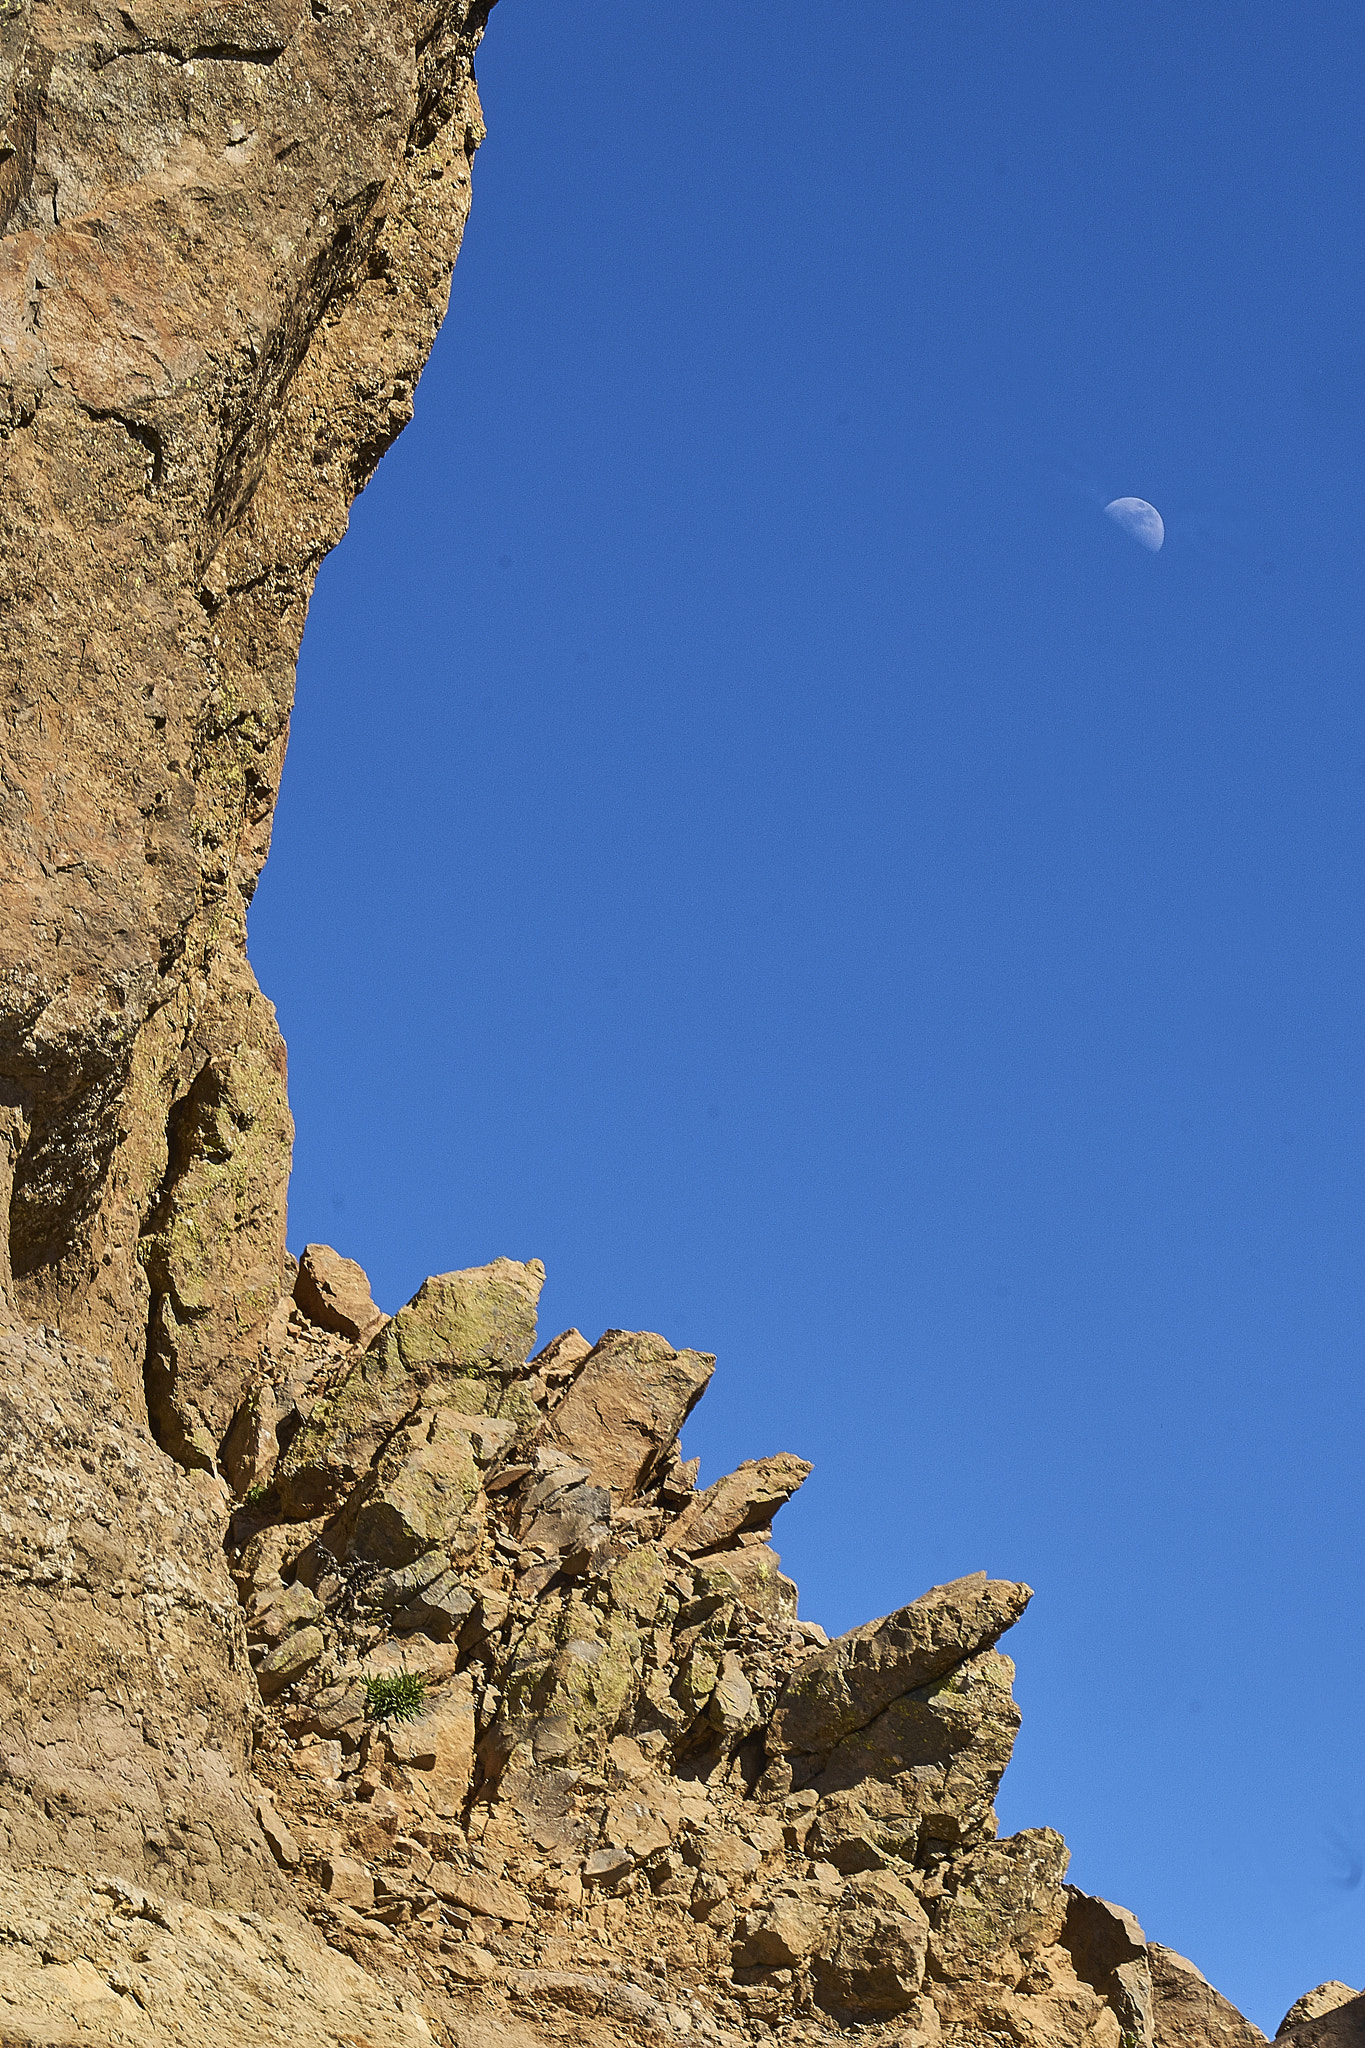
[(395, 1696)]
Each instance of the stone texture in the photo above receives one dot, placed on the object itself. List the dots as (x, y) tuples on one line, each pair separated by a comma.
[(1108, 1951), (1316, 2004), (239, 223), (629, 1399), (335, 1293), (745, 1501), (841, 1690), (128, 1693), (1332, 2026), (137, 1967), (461, 1337), (879, 1941), (1188, 2012)]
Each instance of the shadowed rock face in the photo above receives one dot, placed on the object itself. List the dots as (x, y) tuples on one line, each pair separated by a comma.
[(228, 231)]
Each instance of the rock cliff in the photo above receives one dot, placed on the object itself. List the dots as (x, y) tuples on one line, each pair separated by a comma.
[(370, 1680)]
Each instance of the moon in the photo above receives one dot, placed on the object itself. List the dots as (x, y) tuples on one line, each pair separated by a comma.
[(1139, 519)]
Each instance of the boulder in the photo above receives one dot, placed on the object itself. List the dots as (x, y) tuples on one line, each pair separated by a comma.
[(476, 1892), (250, 1448), (296, 1654), (608, 1867), (425, 1482), (1006, 1904), (480, 1322), (283, 1847), (559, 1360), (622, 1414), (334, 1293), (1188, 2013), (443, 1609), (755, 1573), (781, 1932), (746, 1499), (347, 1883), (1108, 1951), (874, 1964), (438, 1750), (843, 1688), (276, 1611), (1336, 2026), (454, 1346), (922, 1777)]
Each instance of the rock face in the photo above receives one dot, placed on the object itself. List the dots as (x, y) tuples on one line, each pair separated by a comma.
[(228, 231), (365, 1679), (517, 1717)]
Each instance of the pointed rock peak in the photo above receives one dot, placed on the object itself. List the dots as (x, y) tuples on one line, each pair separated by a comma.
[(335, 1294)]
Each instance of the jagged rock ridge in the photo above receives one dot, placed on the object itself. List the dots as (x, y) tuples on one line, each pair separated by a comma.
[(638, 1797)]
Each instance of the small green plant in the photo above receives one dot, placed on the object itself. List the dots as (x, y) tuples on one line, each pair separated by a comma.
[(395, 1696), (255, 1492)]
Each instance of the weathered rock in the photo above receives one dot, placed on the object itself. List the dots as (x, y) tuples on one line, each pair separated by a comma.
[(232, 331), (1331, 2026), (297, 1654), (128, 1695), (1108, 1951), (923, 1775), (440, 1749), (443, 1608), (755, 1572), (843, 1689), (454, 1345), (875, 1962), (251, 1446), (424, 1484), (622, 1414), (1316, 2004), (225, 239), (283, 1847), (479, 1893), (480, 1323), (747, 1499), (1186, 2010), (139, 1967), (608, 1867), (782, 1931), (1006, 1902), (560, 1359), (347, 1883), (335, 1293)]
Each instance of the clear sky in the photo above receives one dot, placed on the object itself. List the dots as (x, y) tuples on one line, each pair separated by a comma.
[(758, 838)]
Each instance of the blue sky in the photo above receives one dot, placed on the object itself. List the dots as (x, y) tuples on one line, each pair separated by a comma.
[(758, 838)]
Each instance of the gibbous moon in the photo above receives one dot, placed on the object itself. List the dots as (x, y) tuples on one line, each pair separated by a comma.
[(1138, 518)]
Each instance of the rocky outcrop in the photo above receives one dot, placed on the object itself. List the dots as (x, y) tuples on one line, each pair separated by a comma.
[(370, 1680), (227, 239), (1319, 2004), (504, 1709)]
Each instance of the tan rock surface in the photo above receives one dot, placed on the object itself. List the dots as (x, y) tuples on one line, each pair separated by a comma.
[(744, 1502), (369, 1682), (629, 1399), (1188, 2012), (335, 1293), (239, 223), (1318, 2003)]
